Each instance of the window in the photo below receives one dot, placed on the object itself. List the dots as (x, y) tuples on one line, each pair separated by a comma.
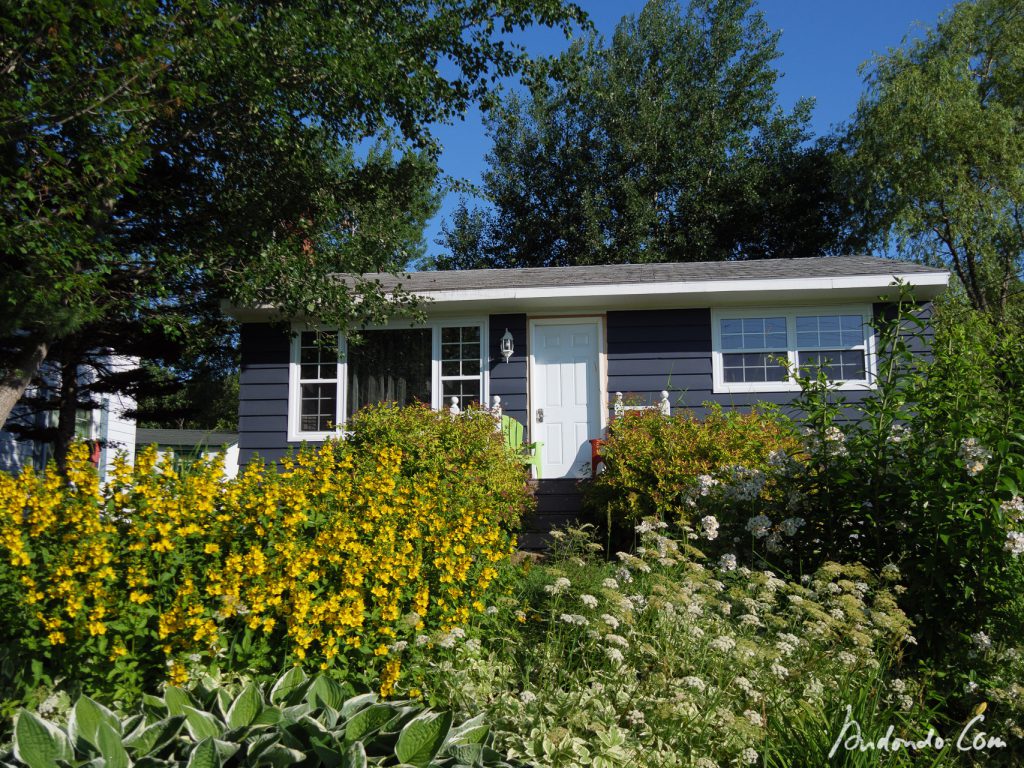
[(460, 364), (390, 366), (330, 380), (753, 349), (318, 381)]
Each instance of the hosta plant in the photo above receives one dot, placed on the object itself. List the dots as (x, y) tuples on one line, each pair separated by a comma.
[(296, 720)]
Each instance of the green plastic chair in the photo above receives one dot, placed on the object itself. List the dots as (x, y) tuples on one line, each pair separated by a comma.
[(529, 453)]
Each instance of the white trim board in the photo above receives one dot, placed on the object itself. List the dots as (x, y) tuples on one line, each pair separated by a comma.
[(296, 435)]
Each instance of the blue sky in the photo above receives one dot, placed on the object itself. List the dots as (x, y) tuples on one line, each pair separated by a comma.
[(823, 43)]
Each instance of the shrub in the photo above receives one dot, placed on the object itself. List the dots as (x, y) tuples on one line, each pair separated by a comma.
[(333, 561), (929, 480), (654, 463), (658, 660), (294, 720)]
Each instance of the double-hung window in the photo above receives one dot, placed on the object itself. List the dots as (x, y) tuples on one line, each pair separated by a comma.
[(330, 379), (754, 350)]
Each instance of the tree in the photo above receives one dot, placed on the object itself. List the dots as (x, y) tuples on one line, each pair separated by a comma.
[(665, 145), (937, 149), (159, 157)]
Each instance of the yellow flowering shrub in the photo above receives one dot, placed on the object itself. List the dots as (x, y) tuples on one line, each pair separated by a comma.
[(334, 559)]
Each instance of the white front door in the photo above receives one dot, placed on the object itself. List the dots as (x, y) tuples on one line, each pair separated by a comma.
[(565, 393)]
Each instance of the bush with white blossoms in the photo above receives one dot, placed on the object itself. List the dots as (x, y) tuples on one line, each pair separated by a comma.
[(690, 664)]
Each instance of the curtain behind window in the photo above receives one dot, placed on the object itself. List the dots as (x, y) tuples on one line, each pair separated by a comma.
[(389, 366)]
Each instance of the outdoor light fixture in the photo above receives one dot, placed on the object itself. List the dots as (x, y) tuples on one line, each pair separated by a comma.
[(507, 348)]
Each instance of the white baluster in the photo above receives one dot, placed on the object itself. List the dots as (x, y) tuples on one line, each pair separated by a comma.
[(665, 405), (619, 407), (454, 409), (496, 412)]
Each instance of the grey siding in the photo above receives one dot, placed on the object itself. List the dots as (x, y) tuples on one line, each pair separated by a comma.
[(263, 393), (649, 351), (508, 380)]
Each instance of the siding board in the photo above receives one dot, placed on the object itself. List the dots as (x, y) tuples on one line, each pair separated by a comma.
[(508, 380), (263, 392)]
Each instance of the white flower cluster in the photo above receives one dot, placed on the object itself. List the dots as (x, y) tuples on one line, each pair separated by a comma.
[(981, 641), (898, 434), (1015, 543), (973, 455), (727, 563), (722, 644), (1013, 509), (791, 525), (709, 527), (759, 526), (574, 618), (589, 601), (831, 443), (705, 483), (561, 584), (744, 484), (649, 525)]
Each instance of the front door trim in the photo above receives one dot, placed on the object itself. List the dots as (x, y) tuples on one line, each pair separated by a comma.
[(602, 364)]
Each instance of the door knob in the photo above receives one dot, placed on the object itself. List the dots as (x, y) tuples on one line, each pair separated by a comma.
[(540, 415)]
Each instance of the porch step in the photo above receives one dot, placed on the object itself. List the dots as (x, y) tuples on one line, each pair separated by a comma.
[(559, 503)]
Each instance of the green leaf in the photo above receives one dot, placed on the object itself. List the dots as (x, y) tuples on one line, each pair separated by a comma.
[(354, 756), (204, 755), (326, 692), (176, 700), (39, 744), (473, 731), (422, 737), (245, 708), (86, 718), (356, 703), (111, 748), (279, 756), (285, 684), (367, 721), (154, 736), (202, 725)]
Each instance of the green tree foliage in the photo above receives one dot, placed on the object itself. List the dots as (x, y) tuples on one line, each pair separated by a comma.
[(665, 145), (158, 157), (938, 149)]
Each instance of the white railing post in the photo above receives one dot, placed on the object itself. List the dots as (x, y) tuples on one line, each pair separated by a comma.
[(665, 405), (496, 412), (618, 408), (454, 409)]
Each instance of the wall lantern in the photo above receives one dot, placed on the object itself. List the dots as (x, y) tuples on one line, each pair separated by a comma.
[(507, 347)]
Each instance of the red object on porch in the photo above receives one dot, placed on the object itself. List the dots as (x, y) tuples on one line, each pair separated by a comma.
[(595, 455), (94, 453)]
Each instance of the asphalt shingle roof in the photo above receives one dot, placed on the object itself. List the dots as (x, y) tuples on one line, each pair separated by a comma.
[(761, 269)]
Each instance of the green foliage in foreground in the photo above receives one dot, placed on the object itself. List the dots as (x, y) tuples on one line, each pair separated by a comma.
[(296, 719)]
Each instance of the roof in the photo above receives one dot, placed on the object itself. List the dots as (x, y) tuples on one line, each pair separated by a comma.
[(617, 274), (609, 287), (184, 437)]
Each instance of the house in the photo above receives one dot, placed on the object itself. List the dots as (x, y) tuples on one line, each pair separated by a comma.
[(109, 427), (182, 447), (575, 336)]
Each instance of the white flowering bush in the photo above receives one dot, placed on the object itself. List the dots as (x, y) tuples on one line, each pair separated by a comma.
[(656, 659), (925, 475)]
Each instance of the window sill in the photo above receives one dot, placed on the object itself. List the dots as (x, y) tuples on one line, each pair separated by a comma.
[(721, 388)]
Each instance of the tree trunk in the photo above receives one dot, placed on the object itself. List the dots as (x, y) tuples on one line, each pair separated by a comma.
[(17, 378), (67, 413)]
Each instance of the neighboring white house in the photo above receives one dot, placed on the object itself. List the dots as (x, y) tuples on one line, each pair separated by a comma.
[(108, 428), (183, 446)]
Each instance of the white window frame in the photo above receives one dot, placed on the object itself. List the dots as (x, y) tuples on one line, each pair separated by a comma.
[(296, 435), (790, 313)]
